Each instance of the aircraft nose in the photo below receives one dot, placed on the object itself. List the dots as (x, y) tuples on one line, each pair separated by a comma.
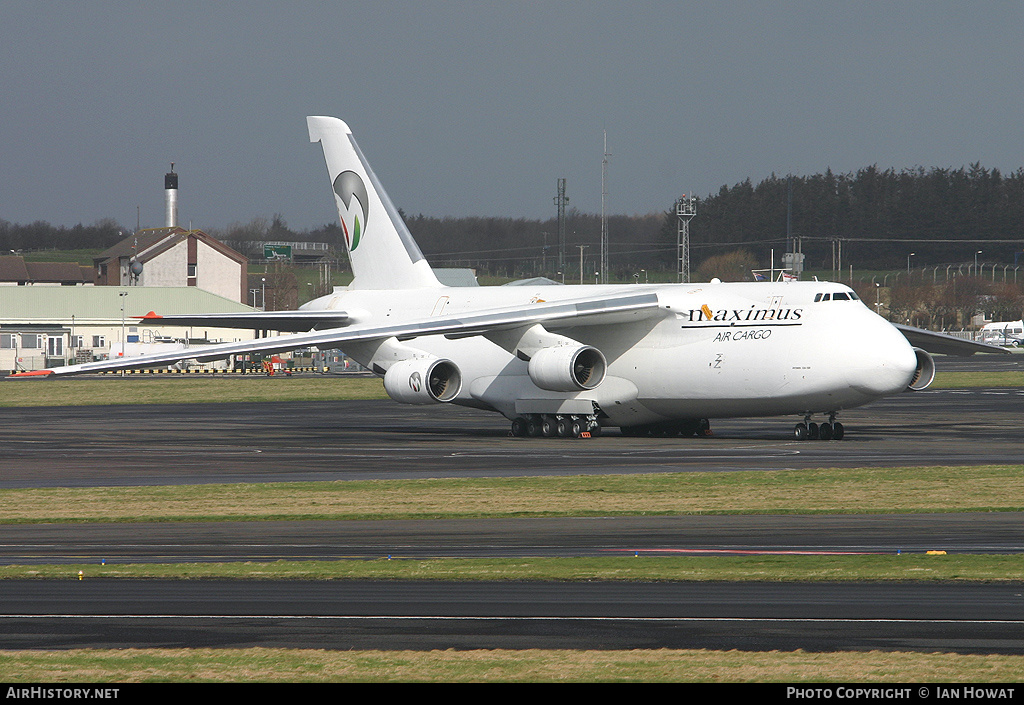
[(882, 363)]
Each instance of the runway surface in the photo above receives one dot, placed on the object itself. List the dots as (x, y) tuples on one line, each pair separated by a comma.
[(966, 618), (360, 440), (132, 445)]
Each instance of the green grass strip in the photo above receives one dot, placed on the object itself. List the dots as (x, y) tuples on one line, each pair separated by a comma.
[(186, 389), (502, 666), (192, 389), (645, 567), (979, 378), (795, 491)]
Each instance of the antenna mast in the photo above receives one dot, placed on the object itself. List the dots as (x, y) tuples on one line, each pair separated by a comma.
[(604, 216), (560, 201)]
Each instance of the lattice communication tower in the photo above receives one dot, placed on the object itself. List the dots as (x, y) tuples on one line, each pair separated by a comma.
[(686, 208)]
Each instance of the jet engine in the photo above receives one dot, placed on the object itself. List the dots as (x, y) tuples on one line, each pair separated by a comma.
[(568, 368), (925, 372), (423, 381)]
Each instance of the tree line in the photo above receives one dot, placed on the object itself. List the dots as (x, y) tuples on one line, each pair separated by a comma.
[(939, 304), (41, 235), (876, 217), (871, 218), (943, 216)]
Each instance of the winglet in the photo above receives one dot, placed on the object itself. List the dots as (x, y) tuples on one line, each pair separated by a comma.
[(33, 373)]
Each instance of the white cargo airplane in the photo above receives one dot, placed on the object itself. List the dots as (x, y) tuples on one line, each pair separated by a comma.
[(570, 360)]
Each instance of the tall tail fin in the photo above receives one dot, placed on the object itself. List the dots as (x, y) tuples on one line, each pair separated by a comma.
[(380, 247)]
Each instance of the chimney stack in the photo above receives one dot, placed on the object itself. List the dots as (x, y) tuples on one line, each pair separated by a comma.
[(171, 198)]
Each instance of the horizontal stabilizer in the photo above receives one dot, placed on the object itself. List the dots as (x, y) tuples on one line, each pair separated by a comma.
[(284, 321)]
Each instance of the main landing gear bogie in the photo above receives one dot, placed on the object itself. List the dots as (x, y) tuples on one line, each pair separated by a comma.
[(556, 425), (830, 430)]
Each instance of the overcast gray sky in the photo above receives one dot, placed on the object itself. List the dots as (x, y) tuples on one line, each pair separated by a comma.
[(477, 108)]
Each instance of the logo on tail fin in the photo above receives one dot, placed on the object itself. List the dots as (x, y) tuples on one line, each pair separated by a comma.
[(347, 185)]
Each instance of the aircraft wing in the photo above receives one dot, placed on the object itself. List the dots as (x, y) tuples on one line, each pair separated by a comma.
[(942, 344), (556, 315), (285, 321)]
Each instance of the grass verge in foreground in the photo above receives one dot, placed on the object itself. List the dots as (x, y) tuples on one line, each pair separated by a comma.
[(797, 491), (479, 666), (178, 389), (643, 568), (979, 378)]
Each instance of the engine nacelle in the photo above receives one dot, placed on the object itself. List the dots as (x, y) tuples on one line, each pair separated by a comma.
[(568, 368), (423, 381), (924, 375)]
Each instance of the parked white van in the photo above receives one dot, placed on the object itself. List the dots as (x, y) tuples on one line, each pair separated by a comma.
[(1008, 333)]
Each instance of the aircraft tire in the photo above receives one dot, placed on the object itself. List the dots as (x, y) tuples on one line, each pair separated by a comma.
[(800, 432), (547, 426), (563, 427), (825, 432), (838, 431), (519, 426), (812, 431)]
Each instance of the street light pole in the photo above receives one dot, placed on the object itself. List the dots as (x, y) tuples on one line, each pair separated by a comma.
[(582, 247), (908, 264), (122, 295), (124, 298)]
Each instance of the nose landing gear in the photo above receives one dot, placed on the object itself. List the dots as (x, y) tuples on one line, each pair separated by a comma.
[(830, 430)]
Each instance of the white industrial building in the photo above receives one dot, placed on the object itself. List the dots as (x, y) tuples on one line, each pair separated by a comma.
[(47, 326)]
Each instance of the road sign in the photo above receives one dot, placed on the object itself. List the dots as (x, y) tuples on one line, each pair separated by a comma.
[(277, 252)]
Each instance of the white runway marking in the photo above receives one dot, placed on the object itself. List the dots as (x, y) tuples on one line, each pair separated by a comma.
[(499, 618)]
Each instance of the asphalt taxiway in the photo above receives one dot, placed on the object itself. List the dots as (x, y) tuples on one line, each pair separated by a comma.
[(359, 440), (429, 615)]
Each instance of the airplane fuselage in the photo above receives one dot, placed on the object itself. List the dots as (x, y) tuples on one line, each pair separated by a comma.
[(714, 350)]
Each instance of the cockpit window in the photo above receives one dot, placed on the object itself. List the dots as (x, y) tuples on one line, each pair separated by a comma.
[(837, 296)]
